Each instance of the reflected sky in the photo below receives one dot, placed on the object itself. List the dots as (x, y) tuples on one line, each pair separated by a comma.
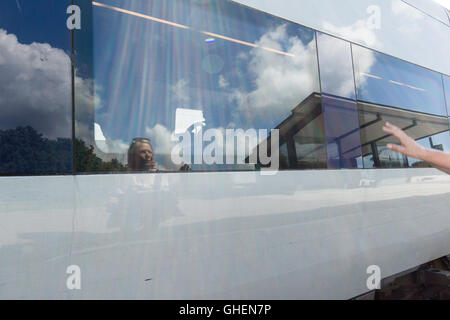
[(35, 69), (31, 21), (336, 66), (241, 68), (389, 81)]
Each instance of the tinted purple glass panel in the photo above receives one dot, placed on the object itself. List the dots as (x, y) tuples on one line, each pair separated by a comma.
[(342, 133)]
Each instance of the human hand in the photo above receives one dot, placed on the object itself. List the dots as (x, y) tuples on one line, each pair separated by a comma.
[(185, 168), (409, 147)]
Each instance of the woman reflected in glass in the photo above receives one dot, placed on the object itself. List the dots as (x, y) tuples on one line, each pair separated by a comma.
[(140, 156)]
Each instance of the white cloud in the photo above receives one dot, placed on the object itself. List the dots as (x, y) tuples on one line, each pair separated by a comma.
[(282, 81), (365, 62), (161, 140), (35, 89), (337, 70), (411, 17), (109, 146), (223, 83), (358, 32), (180, 92), (401, 8), (35, 86)]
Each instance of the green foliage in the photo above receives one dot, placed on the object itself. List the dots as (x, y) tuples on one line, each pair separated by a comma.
[(87, 161), (25, 151)]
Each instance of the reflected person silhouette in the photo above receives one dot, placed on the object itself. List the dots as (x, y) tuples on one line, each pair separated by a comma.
[(140, 156)]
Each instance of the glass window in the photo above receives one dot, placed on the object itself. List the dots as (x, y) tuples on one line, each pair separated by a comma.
[(340, 114), (342, 132), (388, 81), (336, 66), (429, 130), (210, 84), (35, 88)]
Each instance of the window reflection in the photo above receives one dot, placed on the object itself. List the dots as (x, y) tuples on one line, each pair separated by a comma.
[(166, 69), (429, 130), (302, 136), (336, 66), (241, 69), (342, 132), (35, 88), (388, 81)]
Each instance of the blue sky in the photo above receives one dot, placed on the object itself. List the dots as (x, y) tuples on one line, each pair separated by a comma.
[(37, 21), (35, 73), (393, 82)]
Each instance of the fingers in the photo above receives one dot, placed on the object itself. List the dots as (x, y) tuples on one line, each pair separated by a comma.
[(391, 129), (397, 148), (395, 131)]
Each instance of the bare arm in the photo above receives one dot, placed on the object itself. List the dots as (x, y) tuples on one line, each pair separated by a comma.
[(411, 148), (438, 159)]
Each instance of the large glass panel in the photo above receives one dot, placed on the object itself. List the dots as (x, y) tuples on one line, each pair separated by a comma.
[(384, 80), (209, 83), (303, 134), (390, 26), (35, 88), (429, 130), (340, 114), (336, 66), (342, 132)]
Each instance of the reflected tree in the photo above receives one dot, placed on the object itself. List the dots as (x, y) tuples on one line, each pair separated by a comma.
[(25, 151)]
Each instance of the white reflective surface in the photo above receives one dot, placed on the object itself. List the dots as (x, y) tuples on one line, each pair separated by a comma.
[(36, 221), (309, 234), (390, 26), (431, 7)]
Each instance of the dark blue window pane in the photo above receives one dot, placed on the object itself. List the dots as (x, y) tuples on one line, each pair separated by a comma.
[(389, 81), (342, 133), (35, 88), (336, 66)]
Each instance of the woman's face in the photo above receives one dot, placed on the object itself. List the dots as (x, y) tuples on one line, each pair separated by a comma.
[(145, 155)]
